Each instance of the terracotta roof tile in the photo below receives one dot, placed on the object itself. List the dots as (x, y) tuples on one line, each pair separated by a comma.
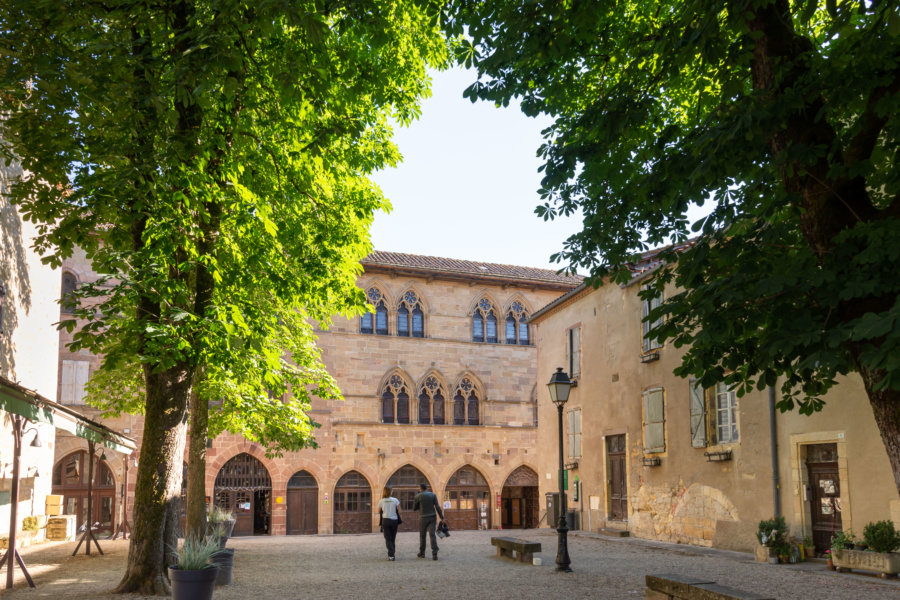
[(452, 265)]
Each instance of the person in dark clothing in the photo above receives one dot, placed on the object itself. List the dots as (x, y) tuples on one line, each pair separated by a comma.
[(389, 519), (429, 509)]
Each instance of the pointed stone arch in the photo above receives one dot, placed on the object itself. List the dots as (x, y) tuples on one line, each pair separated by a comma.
[(514, 321), (467, 399), (404, 482), (378, 294), (395, 393), (432, 394), (520, 507), (353, 503), (243, 486), (468, 493), (486, 316)]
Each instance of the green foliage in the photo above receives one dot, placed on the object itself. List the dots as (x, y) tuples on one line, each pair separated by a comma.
[(30, 524), (219, 515), (781, 118), (881, 536), (772, 533), (196, 554), (212, 158), (842, 540)]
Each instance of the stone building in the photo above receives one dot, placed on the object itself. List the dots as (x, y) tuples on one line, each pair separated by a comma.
[(656, 455), (438, 386)]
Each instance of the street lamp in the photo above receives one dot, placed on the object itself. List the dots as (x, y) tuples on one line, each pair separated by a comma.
[(559, 386)]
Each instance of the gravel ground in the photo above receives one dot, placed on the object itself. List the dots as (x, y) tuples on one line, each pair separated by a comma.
[(356, 566)]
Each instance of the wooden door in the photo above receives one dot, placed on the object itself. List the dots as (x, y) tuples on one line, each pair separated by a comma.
[(302, 512), (515, 512), (242, 507), (407, 498), (824, 494), (618, 488)]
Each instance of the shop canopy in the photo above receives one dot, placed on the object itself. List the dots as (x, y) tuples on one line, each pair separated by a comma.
[(21, 401)]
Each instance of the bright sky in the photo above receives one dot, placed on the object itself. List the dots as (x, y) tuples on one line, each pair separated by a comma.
[(467, 187)]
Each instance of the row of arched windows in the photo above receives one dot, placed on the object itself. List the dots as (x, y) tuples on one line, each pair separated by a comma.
[(411, 319), (431, 404)]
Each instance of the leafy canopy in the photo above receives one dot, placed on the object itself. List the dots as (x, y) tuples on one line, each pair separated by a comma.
[(781, 117), (212, 158)]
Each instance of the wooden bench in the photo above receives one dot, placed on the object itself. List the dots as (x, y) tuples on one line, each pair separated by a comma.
[(524, 550), (681, 587)]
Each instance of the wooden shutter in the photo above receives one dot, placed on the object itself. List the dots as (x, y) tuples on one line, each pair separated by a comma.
[(698, 415), (571, 417), (645, 325), (654, 421), (711, 425), (575, 352), (67, 390)]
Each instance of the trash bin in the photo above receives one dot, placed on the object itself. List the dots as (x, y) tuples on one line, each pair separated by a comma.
[(572, 520)]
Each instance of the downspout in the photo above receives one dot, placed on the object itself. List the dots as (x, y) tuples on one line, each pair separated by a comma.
[(776, 488)]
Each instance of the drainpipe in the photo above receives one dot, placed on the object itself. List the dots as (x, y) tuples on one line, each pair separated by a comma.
[(776, 488)]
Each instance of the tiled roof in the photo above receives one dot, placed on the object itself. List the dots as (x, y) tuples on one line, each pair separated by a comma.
[(436, 264)]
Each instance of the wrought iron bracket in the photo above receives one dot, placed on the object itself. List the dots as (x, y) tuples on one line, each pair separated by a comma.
[(652, 461), (722, 456)]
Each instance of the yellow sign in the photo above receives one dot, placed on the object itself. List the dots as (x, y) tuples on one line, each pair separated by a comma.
[(279, 500)]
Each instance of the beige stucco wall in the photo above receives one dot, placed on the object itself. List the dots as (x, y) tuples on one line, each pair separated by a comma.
[(28, 337), (686, 498), (868, 492)]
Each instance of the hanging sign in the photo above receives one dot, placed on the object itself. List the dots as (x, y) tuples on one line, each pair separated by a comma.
[(326, 497)]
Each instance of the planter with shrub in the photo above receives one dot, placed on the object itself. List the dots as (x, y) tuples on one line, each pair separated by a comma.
[(772, 538), (193, 577), (880, 540)]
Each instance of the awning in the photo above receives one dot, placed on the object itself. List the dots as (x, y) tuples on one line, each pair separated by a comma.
[(21, 401)]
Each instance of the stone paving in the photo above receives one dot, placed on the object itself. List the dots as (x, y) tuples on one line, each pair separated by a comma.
[(356, 566)]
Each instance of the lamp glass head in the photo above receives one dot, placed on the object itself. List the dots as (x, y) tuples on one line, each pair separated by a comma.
[(559, 387)]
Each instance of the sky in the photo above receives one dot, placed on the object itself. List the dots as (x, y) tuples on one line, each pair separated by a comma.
[(467, 186)]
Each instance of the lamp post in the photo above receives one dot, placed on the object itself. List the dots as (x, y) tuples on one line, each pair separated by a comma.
[(559, 393)]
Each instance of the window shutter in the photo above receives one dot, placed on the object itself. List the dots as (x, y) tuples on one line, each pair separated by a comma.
[(711, 424), (654, 421), (645, 325), (698, 415), (575, 352), (67, 390), (82, 373), (578, 433), (571, 418)]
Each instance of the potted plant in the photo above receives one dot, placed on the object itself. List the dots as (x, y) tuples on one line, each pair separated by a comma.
[(193, 577), (880, 540), (772, 537), (224, 517)]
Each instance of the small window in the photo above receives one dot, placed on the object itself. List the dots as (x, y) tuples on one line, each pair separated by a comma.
[(67, 300), (431, 402), (573, 351), (381, 319), (654, 421), (484, 323), (726, 427), (465, 404), (647, 327), (376, 322), (713, 415), (367, 323), (575, 434), (516, 327), (410, 318)]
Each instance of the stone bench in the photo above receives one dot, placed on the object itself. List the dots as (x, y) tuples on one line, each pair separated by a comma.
[(680, 587), (523, 549)]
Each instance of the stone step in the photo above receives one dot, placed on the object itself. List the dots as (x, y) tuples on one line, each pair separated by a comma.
[(613, 532)]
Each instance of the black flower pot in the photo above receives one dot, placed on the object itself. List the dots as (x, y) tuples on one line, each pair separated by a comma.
[(193, 585), (224, 559)]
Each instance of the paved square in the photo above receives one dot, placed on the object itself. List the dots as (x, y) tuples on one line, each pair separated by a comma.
[(356, 566)]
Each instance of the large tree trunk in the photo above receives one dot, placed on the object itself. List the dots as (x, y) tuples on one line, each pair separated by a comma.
[(158, 487), (886, 408), (196, 484)]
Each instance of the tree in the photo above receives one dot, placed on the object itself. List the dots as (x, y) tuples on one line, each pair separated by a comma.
[(211, 157), (782, 116)]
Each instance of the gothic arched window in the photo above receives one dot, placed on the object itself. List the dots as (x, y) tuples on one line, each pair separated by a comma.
[(484, 323), (410, 318), (516, 326), (431, 402), (395, 401), (69, 284), (465, 404), (377, 322)]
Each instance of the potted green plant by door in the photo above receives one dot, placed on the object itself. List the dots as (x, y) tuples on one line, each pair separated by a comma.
[(772, 537), (193, 577), (220, 516), (880, 540)]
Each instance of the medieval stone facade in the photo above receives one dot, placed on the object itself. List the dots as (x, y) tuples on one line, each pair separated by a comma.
[(438, 386)]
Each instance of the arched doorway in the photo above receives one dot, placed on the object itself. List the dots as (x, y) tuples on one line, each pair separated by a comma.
[(353, 504), (244, 487), (70, 480), (519, 500), (405, 485), (302, 504), (470, 500)]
